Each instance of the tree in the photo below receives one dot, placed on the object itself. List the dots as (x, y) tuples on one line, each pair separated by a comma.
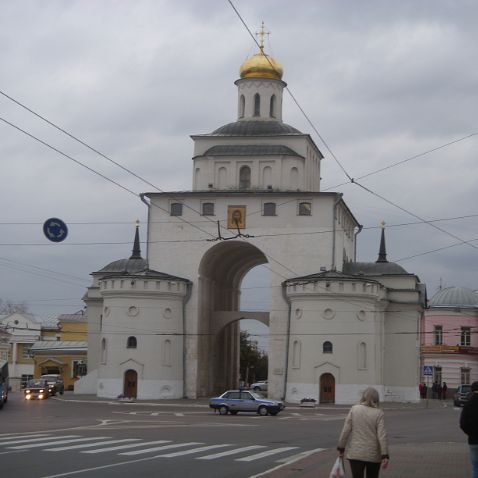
[(8, 307), (254, 361)]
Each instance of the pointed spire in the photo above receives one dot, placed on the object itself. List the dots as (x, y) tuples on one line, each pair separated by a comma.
[(382, 255), (136, 248)]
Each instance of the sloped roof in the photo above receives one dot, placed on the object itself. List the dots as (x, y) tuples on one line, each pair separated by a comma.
[(60, 345), (251, 150), (373, 268), (256, 128), (455, 297)]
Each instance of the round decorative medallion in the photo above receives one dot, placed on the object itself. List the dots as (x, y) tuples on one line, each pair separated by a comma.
[(298, 313), (168, 313), (328, 314), (361, 314), (133, 311)]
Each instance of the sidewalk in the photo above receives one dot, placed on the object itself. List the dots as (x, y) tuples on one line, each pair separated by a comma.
[(412, 460)]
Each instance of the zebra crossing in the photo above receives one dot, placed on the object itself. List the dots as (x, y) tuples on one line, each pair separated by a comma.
[(137, 447)]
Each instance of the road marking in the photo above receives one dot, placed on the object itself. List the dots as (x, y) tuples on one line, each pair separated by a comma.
[(295, 458), (90, 445), (57, 442), (179, 414), (6, 436), (122, 447), (275, 451), (230, 452), (30, 440), (158, 448), (194, 450)]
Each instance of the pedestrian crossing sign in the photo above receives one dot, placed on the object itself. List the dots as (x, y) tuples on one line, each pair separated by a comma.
[(428, 370)]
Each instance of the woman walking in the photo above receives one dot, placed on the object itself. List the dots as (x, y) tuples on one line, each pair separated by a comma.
[(364, 437)]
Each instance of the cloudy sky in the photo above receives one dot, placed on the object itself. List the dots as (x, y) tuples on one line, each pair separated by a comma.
[(382, 82)]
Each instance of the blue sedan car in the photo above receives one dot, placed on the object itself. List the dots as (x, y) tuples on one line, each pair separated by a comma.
[(234, 401)]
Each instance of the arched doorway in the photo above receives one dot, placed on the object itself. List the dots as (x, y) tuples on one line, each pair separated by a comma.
[(130, 387), (327, 388), (221, 272)]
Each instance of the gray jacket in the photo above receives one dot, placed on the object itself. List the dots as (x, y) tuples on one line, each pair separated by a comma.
[(363, 436)]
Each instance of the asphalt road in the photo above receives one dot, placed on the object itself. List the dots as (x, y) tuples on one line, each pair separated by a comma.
[(87, 438)]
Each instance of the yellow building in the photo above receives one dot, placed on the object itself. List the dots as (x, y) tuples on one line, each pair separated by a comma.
[(63, 348)]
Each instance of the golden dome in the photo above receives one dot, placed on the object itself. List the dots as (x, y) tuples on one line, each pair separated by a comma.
[(261, 66)]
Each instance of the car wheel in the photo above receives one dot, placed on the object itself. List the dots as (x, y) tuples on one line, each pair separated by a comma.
[(233, 412), (223, 410), (262, 411), (61, 393)]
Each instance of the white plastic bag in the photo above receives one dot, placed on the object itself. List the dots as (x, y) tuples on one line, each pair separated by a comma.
[(338, 469)]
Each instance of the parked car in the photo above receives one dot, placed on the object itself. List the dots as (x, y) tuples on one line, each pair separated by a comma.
[(36, 388), (55, 383), (4, 386), (260, 386), (462, 395), (234, 401)]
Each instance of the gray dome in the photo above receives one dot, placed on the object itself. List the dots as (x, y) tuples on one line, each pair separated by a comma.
[(126, 266), (255, 128), (455, 297)]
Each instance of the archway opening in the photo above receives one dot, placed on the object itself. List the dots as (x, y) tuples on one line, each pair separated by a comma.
[(130, 387), (223, 309)]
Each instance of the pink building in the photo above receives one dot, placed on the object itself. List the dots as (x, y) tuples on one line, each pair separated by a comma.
[(450, 337)]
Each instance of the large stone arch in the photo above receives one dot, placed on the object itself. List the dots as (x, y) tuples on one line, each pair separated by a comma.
[(221, 272)]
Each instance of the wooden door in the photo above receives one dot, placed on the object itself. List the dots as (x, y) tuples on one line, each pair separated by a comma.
[(130, 384), (327, 388)]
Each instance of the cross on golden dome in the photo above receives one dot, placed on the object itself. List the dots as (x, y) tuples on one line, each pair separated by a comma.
[(261, 34)]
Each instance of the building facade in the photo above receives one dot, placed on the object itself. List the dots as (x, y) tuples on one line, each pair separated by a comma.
[(335, 325), (450, 341)]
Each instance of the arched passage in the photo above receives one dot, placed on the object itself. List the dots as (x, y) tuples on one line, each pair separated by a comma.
[(221, 272)]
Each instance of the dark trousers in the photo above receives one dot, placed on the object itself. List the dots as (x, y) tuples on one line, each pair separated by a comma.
[(358, 468)]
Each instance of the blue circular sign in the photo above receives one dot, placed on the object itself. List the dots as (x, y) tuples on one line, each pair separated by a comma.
[(55, 229)]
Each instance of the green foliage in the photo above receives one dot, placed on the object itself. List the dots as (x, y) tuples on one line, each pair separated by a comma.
[(254, 361)]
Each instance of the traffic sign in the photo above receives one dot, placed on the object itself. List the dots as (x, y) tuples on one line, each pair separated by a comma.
[(55, 229), (428, 370)]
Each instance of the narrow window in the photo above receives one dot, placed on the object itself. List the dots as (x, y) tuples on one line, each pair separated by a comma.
[(257, 105), (176, 209), (272, 112), (437, 375), (167, 353), (362, 356), (327, 347), (296, 354), (438, 334), (242, 106), (245, 177), (305, 209), (294, 178), (132, 343), (465, 338), (208, 209), (269, 209), (103, 351), (222, 178)]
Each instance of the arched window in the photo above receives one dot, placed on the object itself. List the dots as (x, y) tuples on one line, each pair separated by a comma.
[(269, 209), (305, 209), (222, 178), (362, 356), (327, 347), (272, 111), (208, 209), (242, 106), (267, 177), (167, 353), (131, 343), (294, 178), (176, 209), (245, 177), (257, 105), (103, 351), (296, 354)]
